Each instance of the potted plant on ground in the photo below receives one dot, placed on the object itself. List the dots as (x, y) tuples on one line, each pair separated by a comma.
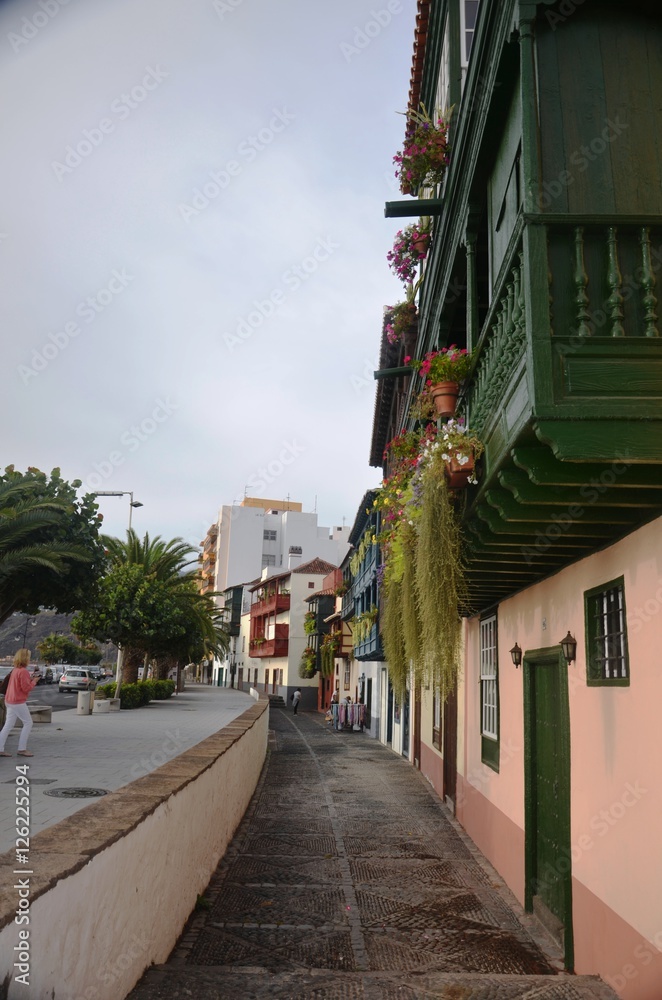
[(443, 372), (424, 157)]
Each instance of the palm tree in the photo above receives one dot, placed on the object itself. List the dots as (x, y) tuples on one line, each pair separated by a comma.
[(195, 616), (23, 549)]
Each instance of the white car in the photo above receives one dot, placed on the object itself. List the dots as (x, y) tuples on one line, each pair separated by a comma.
[(77, 679)]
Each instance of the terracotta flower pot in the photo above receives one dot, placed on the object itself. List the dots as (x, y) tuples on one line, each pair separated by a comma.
[(458, 475), (421, 245), (445, 395)]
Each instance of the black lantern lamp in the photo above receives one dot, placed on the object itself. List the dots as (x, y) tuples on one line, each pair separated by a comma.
[(516, 654), (569, 647)]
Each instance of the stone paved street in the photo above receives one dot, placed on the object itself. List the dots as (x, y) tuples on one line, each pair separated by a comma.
[(348, 879)]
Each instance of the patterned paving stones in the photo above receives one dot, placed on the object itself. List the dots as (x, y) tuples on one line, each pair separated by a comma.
[(348, 880)]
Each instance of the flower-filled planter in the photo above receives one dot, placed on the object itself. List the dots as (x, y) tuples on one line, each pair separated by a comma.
[(402, 324), (424, 158), (443, 372), (459, 451), (410, 247)]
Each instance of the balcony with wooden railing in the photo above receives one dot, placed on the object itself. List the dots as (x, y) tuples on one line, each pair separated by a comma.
[(271, 603), (566, 395), (276, 645)]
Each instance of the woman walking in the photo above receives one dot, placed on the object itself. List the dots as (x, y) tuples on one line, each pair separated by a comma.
[(20, 685)]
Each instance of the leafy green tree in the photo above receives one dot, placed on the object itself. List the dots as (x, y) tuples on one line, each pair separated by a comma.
[(51, 554), (149, 605), (60, 649)]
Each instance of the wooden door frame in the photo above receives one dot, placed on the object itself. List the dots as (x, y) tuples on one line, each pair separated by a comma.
[(549, 656)]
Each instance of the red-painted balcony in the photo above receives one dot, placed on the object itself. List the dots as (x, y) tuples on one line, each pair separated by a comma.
[(269, 647), (271, 604)]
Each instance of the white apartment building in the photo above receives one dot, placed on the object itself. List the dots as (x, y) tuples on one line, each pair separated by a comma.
[(275, 535)]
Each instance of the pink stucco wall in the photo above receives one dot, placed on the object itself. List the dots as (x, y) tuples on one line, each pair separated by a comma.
[(616, 780)]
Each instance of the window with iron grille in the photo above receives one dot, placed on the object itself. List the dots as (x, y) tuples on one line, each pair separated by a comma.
[(606, 635), (489, 692), (268, 560)]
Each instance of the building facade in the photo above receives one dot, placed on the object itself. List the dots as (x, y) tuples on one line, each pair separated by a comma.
[(546, 248)]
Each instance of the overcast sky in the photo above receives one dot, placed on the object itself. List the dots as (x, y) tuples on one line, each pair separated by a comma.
[(193, 247)]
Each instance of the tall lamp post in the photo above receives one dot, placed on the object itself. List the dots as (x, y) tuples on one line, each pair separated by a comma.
[(30, 620), (132, 503)]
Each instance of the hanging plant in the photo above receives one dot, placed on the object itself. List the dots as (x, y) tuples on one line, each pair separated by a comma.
[(310, 623), (410, 247), (424, 157), (307, 664), (401, 323), (440, 583), (341, 589)]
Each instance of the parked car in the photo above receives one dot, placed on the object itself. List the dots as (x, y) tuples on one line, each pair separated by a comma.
[(77, 679)]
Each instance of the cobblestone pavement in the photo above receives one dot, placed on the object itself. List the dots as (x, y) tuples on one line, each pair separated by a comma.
[(349, 880)]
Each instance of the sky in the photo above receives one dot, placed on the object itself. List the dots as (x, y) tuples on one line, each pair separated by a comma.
[(193, 247)]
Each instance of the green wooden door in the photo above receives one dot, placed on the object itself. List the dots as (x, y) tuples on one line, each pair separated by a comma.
[(547, 791)]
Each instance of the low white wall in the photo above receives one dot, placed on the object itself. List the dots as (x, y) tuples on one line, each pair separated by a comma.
[(93, 934)]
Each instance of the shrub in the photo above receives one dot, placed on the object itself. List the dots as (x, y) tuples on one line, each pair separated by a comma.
[(149, 690), (163, 689), (106, 690)]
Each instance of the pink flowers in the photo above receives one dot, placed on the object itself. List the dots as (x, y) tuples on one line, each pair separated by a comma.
[(450, 364), (425, 154), (410, 247)]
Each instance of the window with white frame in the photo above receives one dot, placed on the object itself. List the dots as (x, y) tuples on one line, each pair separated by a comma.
[(442, 99), (268, 560), (468, 15), (489, 692), (269, 535)]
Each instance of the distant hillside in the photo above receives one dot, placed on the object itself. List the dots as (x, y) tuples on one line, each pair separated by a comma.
[(46, 622)]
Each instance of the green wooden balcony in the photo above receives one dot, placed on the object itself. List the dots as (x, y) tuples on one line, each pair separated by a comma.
[(566, 394)]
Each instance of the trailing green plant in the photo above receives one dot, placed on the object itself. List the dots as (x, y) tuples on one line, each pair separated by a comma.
[(310, 622), (440, 581), (423, 580), (308, 664), (393, 636), (362, 625), (341, 589), (366, 542)]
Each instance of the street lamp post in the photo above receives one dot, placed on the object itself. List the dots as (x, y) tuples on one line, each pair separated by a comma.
[(30, 620), (132, 503)]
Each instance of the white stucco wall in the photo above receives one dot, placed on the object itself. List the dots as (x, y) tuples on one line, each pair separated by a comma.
[(96, 931)]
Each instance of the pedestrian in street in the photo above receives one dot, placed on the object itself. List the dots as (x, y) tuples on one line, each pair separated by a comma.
[(20, 684), (296, 698)]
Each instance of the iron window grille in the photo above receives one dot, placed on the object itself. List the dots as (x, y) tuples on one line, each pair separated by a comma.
[(607, 661)]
